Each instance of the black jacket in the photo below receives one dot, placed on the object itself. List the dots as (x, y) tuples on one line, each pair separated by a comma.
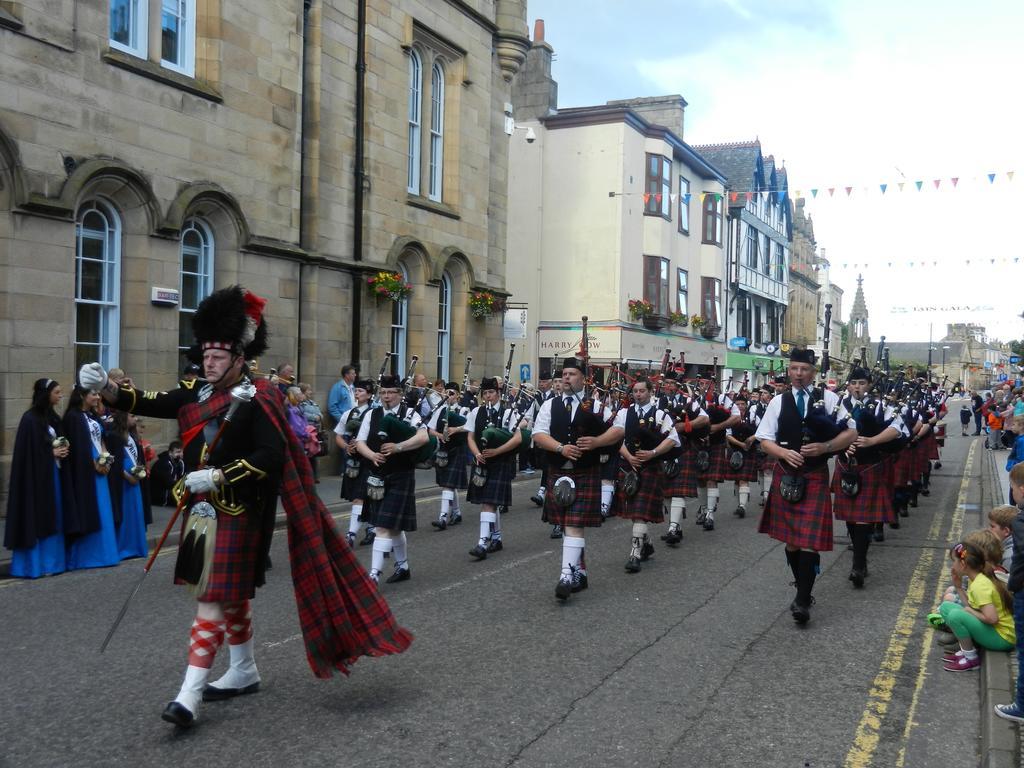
[(1016, 581)]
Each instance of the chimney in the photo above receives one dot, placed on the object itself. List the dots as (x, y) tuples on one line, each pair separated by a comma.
[(534, 91), (538, 31)]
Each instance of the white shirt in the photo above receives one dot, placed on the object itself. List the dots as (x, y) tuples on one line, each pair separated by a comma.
[(412, 417), (662, 419), (436, 418), (510, 419), (339, 428), (769, 427), (542, 425)]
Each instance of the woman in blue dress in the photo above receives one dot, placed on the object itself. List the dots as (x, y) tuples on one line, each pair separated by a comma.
[(96, 544), (39, 493), (131, 533)]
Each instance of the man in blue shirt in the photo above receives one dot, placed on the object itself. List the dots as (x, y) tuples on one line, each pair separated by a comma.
[(342, 396)]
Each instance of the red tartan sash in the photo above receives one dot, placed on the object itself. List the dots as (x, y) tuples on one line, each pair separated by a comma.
[(194, 416)]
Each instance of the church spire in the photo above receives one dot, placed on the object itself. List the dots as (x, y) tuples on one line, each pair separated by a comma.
[(859, 334)]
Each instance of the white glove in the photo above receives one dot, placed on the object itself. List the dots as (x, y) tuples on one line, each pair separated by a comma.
[(201, 481), (92, 377)]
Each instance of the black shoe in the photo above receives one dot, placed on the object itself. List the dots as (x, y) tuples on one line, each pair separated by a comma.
[(368, 538), (579, 581), (801, 613), (269, 565), (537, 499), (564, 588), (178, 714), (350, 538), (709, 522), (400, 574), (646, 550), (857, 577), (494, 545), (878, 535), (633, 565), (925, 492), (440, 524), (479, 552), (673, 537), (211, 693), (741, 511), (456, 519), (913, 503), (938, 465), (904, 512), (895, 524), (556, 532), (702, 513)]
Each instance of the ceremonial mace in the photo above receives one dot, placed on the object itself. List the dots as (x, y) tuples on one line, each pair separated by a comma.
[(243, 393)]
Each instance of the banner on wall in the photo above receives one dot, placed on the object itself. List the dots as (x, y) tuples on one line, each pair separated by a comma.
[(515, 324)]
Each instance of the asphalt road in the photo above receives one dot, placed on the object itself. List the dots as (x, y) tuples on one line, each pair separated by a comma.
[(695, 661)]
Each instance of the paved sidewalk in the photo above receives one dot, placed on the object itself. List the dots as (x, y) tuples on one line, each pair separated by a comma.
[(329, 489)]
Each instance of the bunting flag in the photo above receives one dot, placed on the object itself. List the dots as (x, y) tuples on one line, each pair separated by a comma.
[(991, 178), (900, 184), (814, 193), (936, 182), (831, 191), (686, 198), (955, 179), (750, 196), (781, 194), (1009, 175), (918, 183), (882, 187), (848, 191)]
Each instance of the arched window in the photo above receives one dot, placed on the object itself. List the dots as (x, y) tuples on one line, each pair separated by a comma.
[(444, 326), (436, 131), (97, 284), (196, 274), (399, 323), (415, 115)]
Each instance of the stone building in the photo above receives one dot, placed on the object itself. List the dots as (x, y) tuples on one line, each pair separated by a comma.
[(759, 233), (609, 204), (830, 295), (801, 324), (150, 156), (860, 334)]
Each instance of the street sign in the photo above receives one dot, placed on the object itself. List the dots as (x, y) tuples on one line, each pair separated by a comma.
[(1014, 358), (1017, 382), (1003, 377), (738, 342), (988, 365), (524, 372)]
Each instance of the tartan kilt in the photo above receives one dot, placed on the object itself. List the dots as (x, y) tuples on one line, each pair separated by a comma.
[(931, 447), (646, 505), (807, 525), (718, 470), (498, 489), (353, 488), (586, 510), (873, 504), (610, 469), (684, 484), (901, 468), (235, 555), (454, 475), (397, 510), (760, 458), (747, 473), (919, 461)]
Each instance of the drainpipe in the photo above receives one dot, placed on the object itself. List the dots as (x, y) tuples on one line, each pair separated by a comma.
[(360, 180), (303, 182)]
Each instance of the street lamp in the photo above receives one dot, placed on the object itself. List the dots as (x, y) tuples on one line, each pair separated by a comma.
[(944, 348), (930, 350)]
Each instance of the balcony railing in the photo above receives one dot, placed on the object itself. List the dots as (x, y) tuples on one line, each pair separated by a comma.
[(763, 285)]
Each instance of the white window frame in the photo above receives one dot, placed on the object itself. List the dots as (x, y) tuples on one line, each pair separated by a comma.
[(108, 346), (400, 327), (139, 29), (436, 131), (205, 259), (444, 327), (186, 37), (415, 109)]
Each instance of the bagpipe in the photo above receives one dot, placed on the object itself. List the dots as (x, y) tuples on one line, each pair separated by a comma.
[(352, 425)]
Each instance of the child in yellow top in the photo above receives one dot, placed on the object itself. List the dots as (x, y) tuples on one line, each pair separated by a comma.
[(984, 616)]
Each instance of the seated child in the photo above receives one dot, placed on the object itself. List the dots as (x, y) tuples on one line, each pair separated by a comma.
[(1000, 522), (984, 616), (1015, 710)]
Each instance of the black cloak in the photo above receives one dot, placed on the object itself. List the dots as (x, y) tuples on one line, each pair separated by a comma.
[(86, 514)]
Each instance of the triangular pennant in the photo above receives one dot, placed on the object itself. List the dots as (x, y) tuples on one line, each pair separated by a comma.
[(848, 191), (764, 197), (686, 198), (968, 261), (831, 191), (890, 263), (1009, 175), (657, 198), (1016, 259), (750, 196), (955, 179), (733, 196), (796, 195), (702, 196), (672, 198), (936, 182), (991, 178), (992, 261), (918, 184), (883, 187), (718, 197), (900, 185), (781, 194), (814, 193), (647, 197)]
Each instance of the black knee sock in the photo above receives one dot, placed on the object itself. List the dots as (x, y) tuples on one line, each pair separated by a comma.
[(807, 572), (861, 536), (793, 558)]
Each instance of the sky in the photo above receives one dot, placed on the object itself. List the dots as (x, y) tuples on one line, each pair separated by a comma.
[(845, 94)]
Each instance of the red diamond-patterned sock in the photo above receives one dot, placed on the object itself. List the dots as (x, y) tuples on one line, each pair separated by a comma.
[(204, 640), (238, 618)]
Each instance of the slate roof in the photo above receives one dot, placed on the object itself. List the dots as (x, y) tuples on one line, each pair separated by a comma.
[(917, 352)]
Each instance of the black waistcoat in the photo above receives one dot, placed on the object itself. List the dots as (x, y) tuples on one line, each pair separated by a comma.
[(790, 433), (397, 462), (563, 430)]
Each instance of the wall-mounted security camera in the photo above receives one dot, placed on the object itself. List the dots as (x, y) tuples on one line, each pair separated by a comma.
[(531, 136)]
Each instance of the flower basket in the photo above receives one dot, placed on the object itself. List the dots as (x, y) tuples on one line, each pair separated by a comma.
[(678, 318), (709, 331), (390, 286), (639, 309), (696, 321), (484, 304)]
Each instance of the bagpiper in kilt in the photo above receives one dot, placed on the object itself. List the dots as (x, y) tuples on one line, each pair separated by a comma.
[(355, 469), (648, 435), (723, 414), (571, 433), (800, 429), (494, 436), (448, 426), (243, 456), (689, 419), (863, 484), (389, 438), (740, 447)]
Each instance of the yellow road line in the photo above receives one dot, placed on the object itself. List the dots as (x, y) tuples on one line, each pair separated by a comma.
[(866, 740), (955, 529)]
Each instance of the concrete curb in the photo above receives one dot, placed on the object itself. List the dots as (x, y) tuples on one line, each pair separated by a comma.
[(334, 507), (1000, 739)]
